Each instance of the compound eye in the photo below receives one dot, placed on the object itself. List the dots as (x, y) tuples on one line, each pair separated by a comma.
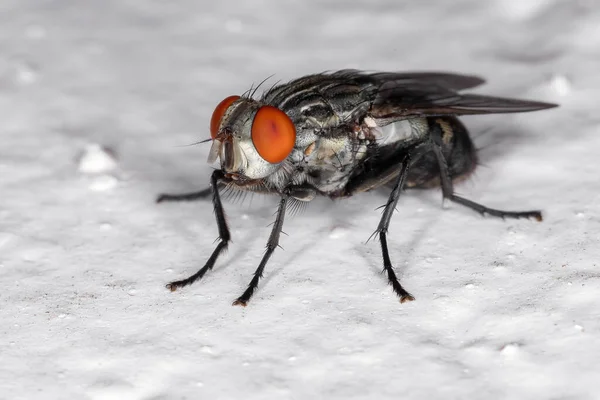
[(273, 134), (217, 115)]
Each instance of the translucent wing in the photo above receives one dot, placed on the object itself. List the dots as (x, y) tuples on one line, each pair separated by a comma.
[(398, 98), (351, 82), (418, 80)]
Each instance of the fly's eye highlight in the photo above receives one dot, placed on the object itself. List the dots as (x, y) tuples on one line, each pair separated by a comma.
[(273, 134), (217, 115)]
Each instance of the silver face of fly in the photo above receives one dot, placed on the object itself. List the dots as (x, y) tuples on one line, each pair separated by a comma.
[(338, 134)]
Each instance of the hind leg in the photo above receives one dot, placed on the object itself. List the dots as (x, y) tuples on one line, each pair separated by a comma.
[(444, 130)]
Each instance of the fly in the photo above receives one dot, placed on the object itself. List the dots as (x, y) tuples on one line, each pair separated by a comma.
[(342, 133)]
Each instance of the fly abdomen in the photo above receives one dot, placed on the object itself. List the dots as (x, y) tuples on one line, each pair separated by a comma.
[(458, 150)]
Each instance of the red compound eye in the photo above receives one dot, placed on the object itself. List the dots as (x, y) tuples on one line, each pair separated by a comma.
[(217, 115), (273, 134)]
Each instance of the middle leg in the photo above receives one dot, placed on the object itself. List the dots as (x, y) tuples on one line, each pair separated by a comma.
[(383, 226)]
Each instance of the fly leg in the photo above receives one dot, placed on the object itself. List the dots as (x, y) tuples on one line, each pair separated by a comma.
[(383, 226), (448, 190), (202, 194), (224, 235), (272, 244)]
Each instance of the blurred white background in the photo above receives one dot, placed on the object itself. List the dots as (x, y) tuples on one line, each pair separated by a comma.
[(505, 309)]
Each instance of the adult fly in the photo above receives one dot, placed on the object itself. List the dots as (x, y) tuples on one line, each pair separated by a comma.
[(342, 133)]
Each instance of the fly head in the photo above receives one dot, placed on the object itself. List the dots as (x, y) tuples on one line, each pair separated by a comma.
[(250, 139)]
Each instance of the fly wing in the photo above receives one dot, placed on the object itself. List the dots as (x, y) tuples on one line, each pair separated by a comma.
[(396, 99), (335, 98), (363, 86), (423, 80)]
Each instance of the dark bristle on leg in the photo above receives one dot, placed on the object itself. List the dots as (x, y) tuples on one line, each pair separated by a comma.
[(202, 194), (387, 267), (272, 244), (224, 235), (382, 229)]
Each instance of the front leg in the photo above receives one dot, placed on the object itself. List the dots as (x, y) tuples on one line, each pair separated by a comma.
[(272, 244), (217, 177)]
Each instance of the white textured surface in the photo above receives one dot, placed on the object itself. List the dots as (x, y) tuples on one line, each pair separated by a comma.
[(505, 309), (95, 159)]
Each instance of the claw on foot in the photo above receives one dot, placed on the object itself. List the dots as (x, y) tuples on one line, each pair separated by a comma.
[(161, 197), (240, 302), (406, 298), (171, 286)]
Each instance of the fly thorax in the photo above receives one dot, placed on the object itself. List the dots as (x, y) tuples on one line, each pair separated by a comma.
[(328, 162), (332, 153)]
